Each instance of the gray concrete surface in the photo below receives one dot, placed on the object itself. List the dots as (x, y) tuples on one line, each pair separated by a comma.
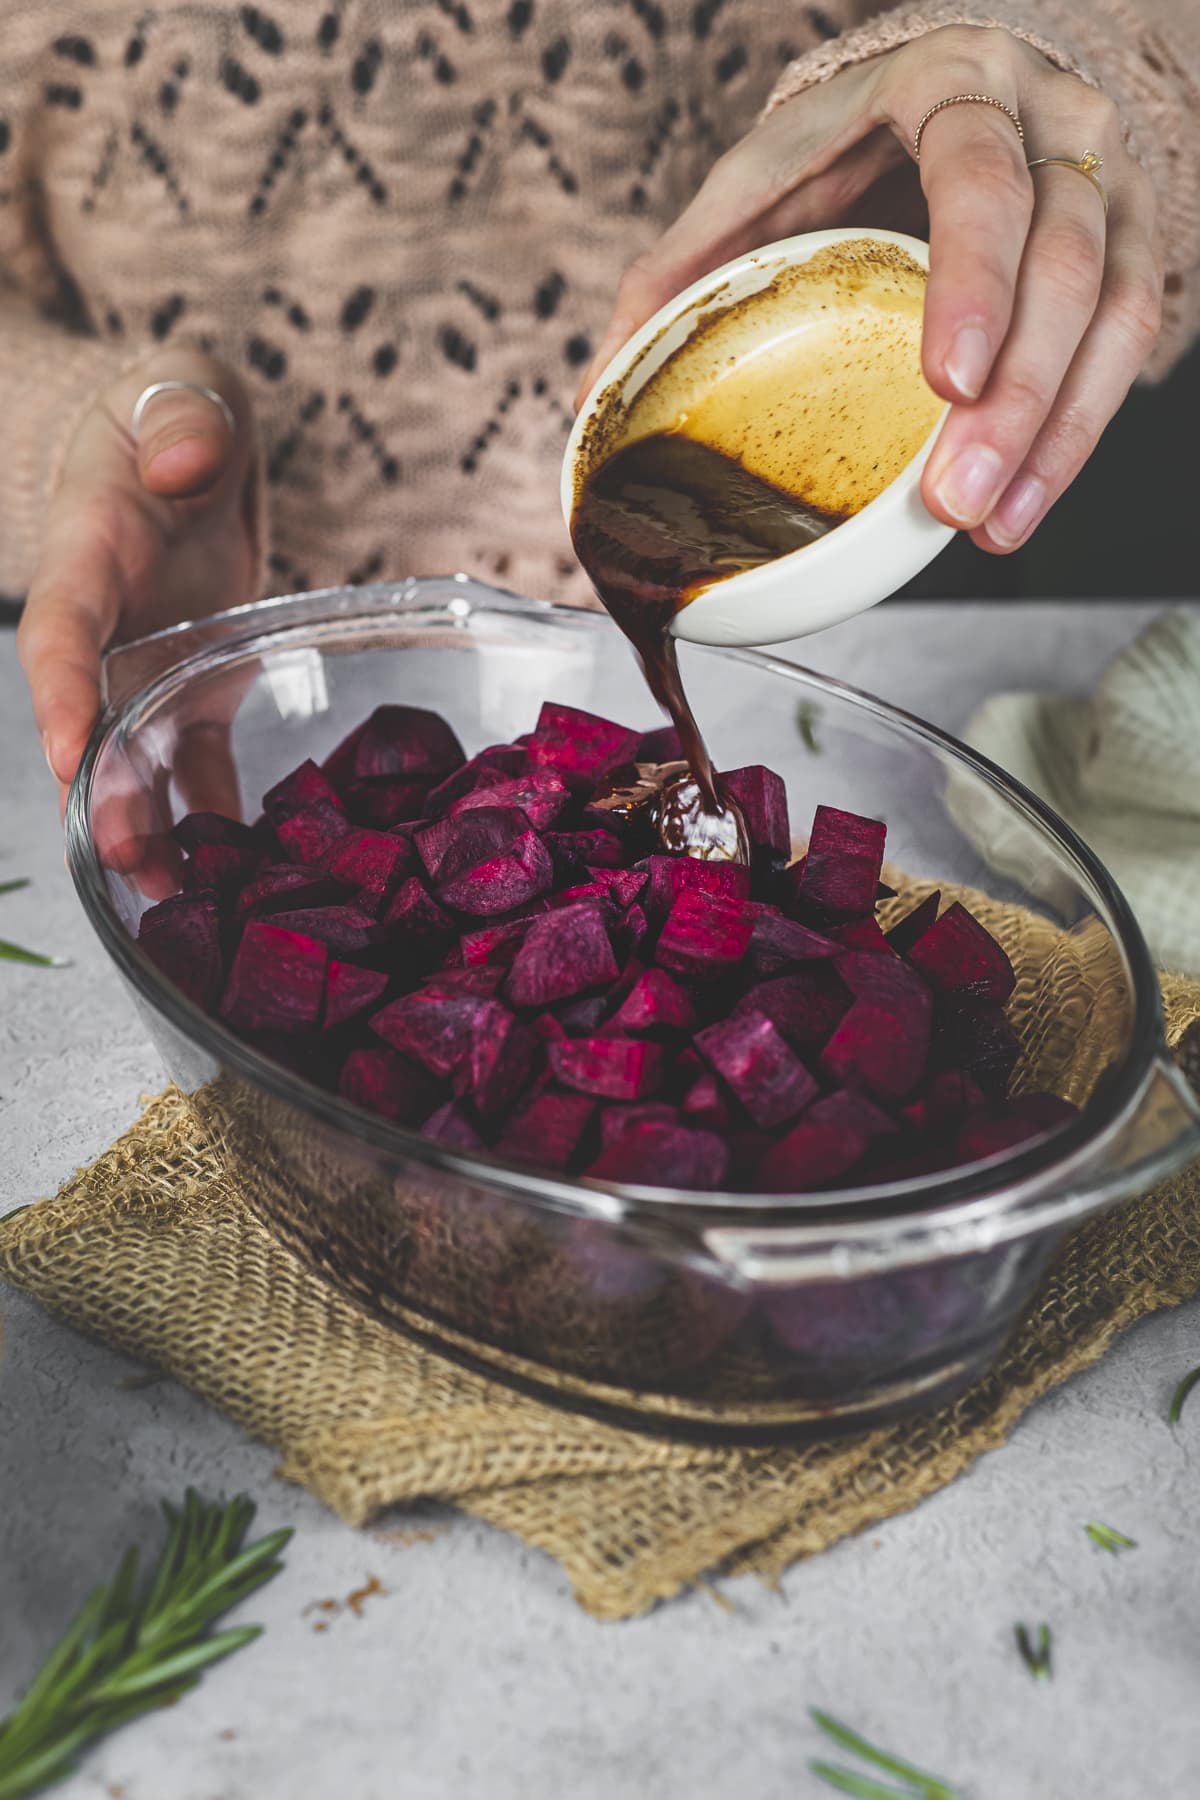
[(475, 1676)]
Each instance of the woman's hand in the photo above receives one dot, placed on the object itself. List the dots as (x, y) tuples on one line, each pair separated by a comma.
[(1039, 312), (138, 536)]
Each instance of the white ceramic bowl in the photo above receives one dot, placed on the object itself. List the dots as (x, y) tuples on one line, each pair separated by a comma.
[(865, 558)]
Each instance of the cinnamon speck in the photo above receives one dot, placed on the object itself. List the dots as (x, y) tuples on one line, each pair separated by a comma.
[(353, 1603), (227, 1737)]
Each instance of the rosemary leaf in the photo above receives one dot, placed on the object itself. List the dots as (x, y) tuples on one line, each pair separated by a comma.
[(14, 953), (1035, 1656), (862, 1787), (1105, 1538), (1180, 1395), (807, 714), (12, 887), (928, 1787)]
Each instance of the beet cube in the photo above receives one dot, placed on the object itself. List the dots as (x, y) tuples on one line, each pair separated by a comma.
[(842, 864), (494, 944), (615, 1121), (276, 981), (941, 1106), (886, 980), (903, 936), (479, 983), (182, 938), (223, 867), (755, 1063), (957, 955), (671, 876), (284, 886), (574, 853), (503, 1053), (452, 1125), (304, 788), (654, 1003), (811, 1156), (593, 892), (805, 1007), (345, 930), (456, 844), (389, 1085), (435, 1031), (540, 795), (980, 1040), (623, 886), (495, 763), (564, 953), (503, 881), (704, 936), (779, 943), (661, 745), (610, 1068), (861, 934), (882, 1043), (406, 741), (372, 862), (631, 932), (705, 1104), (583, 1017), (546, 1131), (852, 1111), (419, 923), (311, 836), (579, 745), (382, 804), (761, 798), (349, 991), (212, 828), (989, 1130), (660, 1154)]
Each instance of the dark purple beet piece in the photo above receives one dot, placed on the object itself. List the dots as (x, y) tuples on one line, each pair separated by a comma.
[(592, 893), (389, 1085), (631, 932), (503, 1054), (494, 944), (882, 1044), (609, 1068), (420, 926), (778, 943), (225, 867), (479, 983), (285, 886), (540, 795), (616, 1120), (661, 745), (655, 1003), (941, 1106), (349, 991), (502, 882), (345, 930), (903, 936), (583, 1017), (564, 953), (452, 1125), (886, 980), (495, 763), (851, 1111), (406, 741), (382, 804), (212, 828), (980, 1040), (811, 1156), (276, 981), (654, 1154), (311, 836), (546, 1130), (958, 956), (579, 745), (623, 886), (861, 934), (182, 938), (842, 864), (991, 1129), (671, 876), (805, 1007), (305, 787), (704, 936), (373, 863), (574, 853), (705, 1104), (435, 1031), (761, 797), (755, 1063), (455, 844)]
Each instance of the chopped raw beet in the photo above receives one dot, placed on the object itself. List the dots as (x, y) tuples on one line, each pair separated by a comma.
[(546, 1131), (373, 863), (455, 984), (661, 745), (389, 1085), (455, 844), (980, 1040), (671, 876), (182, 938), (903, 936), (276, 981), (495, 763), (433, 1029), (958, 956), (886, 980), (806, 1006), (779, 943), (305, 787), (761, 797), (406, 741), (417, 920), (616, 1120), (631, 931), (609, 1068), (382, 804), (621, 885), (594, 892), (226, 867), (502, 882), (311, 836), (654, 1003), (810, 1157), (705, 937), (705, 1104), (882, 1045), (944, 1102), (540, 795), (851, 1111), (579, 745), (200, 828), (861, 934), (349, 991), (583, 1017), (661, 1154), (452, 1125), (564, 953), (575, 852), (345, 930), (1005, 1124), (502, 1059), (495, 943), (755, 1063), (842, 863), (284, 886)]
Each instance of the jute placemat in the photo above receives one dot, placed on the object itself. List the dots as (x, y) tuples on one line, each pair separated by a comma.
[(153, 1250)]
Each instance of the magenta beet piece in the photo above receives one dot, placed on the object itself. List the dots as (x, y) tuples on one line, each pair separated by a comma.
[(574, 853), (200, 828), (579, 745), (478, 983), (704, 936), (452, 845), (285, 886), (882, 1044), (345, 930), (941, 1106), (453, 1126), (615, 1121), (755, 1063), (861, 934), (631, 932), (406, 741), (779, 943), (565, 953), (433, 1030), (221, 866), (304, 788), (959, 957), (583, 1017), (661, 745), (418, 922), (805, 1007), (851, 1111), (610, 1068), (655, 1003), (349, 991), (886, 980), (980, 1040), (495, 763), (546, 1130), (494, 944), (622, 886), (502, 882), (389, 1085), (654, 1154), (382, 804), (594, 893), (842, 864), (310, 837), (903, 936), (761, 798), (182, 938), (540, 795), (373, 863), (671, 876), (277, 980), (704, 1104), (1002, 1126), (503, 1054), (811, 1156)]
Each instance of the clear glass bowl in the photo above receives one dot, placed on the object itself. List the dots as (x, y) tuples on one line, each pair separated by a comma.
[(727, 1315)]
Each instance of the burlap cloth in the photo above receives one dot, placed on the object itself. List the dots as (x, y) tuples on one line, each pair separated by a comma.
[(153, 1250)]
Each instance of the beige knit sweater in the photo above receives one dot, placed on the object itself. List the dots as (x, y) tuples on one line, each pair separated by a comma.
[(403, 224)]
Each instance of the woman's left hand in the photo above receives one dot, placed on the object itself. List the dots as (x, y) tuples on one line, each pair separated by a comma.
[(1039, 311)]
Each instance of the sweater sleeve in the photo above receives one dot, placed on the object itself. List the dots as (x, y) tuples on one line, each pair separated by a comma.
[(1146, 59)]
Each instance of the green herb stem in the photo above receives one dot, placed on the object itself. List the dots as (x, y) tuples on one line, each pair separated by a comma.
[(1181, 1393), (1106, 1538), (1035, 1654), (922, 1786)]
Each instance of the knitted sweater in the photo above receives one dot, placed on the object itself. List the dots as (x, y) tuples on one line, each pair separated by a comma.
[(403, 225)]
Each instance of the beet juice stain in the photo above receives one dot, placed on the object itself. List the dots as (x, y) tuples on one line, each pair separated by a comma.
[(653, 525)]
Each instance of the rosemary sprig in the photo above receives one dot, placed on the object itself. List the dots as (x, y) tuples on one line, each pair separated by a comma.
[(1105, 1538), (1035, 1656), (137, 1645), (920, 1786), (1181, 1393)]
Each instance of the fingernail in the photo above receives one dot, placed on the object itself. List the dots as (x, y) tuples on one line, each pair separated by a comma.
[(969, 485), (47, 755), (969, 360), (1017, 511)]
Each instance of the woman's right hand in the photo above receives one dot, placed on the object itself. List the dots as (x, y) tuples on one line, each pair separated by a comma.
[(138, 536)]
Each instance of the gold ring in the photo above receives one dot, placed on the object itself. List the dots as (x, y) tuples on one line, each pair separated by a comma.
[(964, 100), (1089, 164)]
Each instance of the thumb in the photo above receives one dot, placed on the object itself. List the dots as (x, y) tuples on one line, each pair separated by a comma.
[(185, 442)]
